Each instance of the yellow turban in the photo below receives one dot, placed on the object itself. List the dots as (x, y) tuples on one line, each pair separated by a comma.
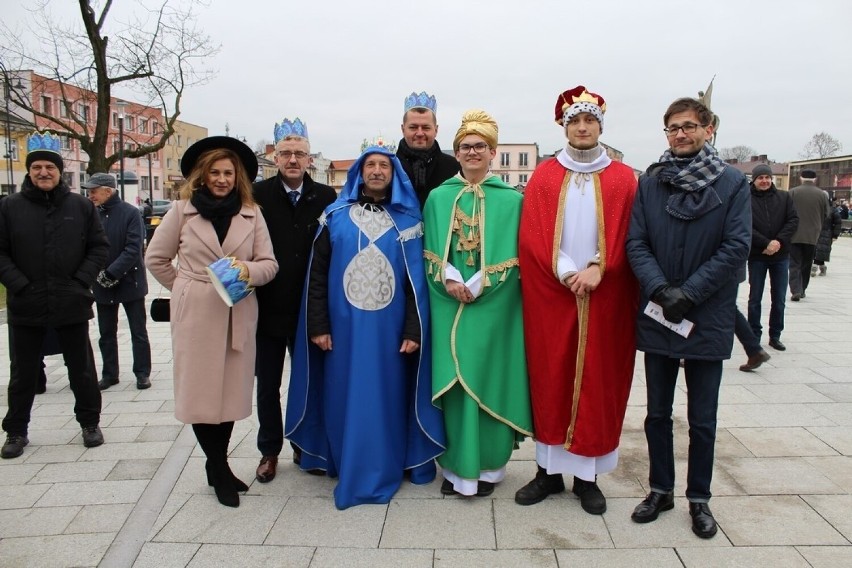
[(477, 122)]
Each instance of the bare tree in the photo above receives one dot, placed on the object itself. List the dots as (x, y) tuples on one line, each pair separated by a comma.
[(822, 145), (260, 145), (151, 58), (740, 153)]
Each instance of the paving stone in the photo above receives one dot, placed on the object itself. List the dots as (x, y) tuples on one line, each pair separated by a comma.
[(21, 496), (551, 524), (100, 519), (174, 503), (307, 521), (166, 554), (204, 519), (840, 414), (770, 415), (838, 469), (624, 558), (132, 406), (826, 556), (455, 522), (127, 450), (777, 442), (14, 472), (143, 419), (134, 469), (767, 476), (494, 559), (76, 471), (775, 556), (35, 521), (59, 551), (834, 509), (52, 454), (163, 433), (838, 437), (794, 394), (772, 521), (244, 556), (372, 558), (92, 493)]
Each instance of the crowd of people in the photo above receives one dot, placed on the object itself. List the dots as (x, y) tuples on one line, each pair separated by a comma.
[(414, 339)]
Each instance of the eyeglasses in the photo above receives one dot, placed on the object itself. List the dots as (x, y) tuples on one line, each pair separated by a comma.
[(688, 128), (479, 147), (286, 154)]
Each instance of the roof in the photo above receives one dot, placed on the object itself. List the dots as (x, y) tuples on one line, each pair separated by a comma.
[(340, 164), (778, 168)]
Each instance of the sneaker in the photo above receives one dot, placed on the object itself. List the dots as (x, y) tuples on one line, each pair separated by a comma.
[(822, 270), (14, 446), (92, 436), (813, 270)]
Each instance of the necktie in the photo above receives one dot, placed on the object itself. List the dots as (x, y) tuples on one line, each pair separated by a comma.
[(294, 197)]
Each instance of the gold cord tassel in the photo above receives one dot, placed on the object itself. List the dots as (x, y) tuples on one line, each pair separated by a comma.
[(470, 259)]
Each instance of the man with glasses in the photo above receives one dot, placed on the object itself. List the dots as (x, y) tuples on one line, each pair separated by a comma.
[(421, 156), (291, 203), (578, 293), (690, 232)]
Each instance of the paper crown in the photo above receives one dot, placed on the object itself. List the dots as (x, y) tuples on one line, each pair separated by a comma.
[(230, 280), (43, 141), (378, 142), (423, 100), (286, 128), (576, 97)]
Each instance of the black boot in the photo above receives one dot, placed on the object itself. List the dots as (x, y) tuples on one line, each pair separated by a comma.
[(218, 475), (592, 500), (539, 488), (226, 428)]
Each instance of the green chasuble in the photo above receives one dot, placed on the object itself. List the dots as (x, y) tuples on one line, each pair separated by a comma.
[(479, 373)]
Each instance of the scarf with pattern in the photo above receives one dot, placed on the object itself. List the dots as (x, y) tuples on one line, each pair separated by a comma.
[(692, 179)]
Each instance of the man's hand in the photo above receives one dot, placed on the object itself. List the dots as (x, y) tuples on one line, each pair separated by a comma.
[(773, 247), (674, 303), (585, 281), (322, 341), (409, 346), (459, 291)]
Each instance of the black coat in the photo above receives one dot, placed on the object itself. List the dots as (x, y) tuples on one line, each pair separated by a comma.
[(701, 256), (773, 217), (830, 231), (442, 168), (52, 247), (292, 230), (126, 234)]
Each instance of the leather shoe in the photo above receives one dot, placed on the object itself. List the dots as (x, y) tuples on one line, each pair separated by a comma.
[(703, 523), (776, 344), (14, 446), (447, 488), (539, 488), (592, 499), (92, 436), (796, 297), (755, 361), (104, 384), (651, 507), (143, 383), (267, 469), (297, 459), (484, 488)]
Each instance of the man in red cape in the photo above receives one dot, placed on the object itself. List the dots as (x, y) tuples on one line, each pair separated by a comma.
[(580, 300)]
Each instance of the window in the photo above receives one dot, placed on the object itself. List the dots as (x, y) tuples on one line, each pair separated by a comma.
[(143, 126), (65, 141), (115, 146), (46, 107), (83, 111), (156, 183), (115, 120), (504, 178), (155, 127), (144, 183), (68, 178), (128, 123), (524, 159), (12, 150), (63, 109), (168, 163), (178, 140), (522, 178), (504, 160)]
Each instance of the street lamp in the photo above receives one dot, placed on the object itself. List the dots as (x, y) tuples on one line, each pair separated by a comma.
[(7, 94), (120, 105)]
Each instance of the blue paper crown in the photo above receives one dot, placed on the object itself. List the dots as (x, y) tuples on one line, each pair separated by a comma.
[(286, 128), (43, 141), (423, 100), (379, 142)]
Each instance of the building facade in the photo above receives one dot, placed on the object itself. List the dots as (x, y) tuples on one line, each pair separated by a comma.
[(833, 175), (514, 163), (186, 134)]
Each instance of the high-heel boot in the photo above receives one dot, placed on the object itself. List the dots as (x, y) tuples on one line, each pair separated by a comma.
[(209, 438), (226, 428)]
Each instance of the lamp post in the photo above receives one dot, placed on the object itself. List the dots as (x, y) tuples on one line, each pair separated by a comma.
[(120, 105), (7, 95)]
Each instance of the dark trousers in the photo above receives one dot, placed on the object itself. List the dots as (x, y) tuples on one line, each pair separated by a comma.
[(778, 276), (801, 259), (703, 379), (745, 336), (25, 343), (108, 342), (269, 366)]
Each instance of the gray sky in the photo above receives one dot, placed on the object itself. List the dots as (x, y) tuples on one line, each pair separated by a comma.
[(783, 68)]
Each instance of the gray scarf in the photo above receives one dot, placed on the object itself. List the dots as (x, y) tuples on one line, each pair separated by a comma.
[(692, 179)]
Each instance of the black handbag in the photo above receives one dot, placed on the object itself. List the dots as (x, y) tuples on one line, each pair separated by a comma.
[(160, 308)]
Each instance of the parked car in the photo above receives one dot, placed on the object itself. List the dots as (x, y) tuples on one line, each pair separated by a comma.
[(160, 206)]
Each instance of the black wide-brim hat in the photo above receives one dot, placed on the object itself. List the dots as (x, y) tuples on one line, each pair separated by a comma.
[(243, 152)]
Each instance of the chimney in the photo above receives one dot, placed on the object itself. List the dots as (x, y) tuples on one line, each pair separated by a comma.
[(732, 161), (752, 159), (270, 148), (763, 158)]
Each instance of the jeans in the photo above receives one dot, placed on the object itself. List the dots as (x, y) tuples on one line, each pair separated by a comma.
[(703, 379), (25, 343), (108, 342), (801, 259), (745, 335), (269, 366), (778, 276)]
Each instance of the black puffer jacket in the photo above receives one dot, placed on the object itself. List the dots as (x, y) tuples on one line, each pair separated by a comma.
[(774, 218), (830, 231), (52, 246)]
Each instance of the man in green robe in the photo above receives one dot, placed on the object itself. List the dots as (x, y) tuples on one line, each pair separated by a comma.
[(479, 375)]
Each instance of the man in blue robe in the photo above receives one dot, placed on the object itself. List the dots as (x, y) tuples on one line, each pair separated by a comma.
[(359, 405)]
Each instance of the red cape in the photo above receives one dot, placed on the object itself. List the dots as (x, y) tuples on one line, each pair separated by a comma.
[(552, 327)]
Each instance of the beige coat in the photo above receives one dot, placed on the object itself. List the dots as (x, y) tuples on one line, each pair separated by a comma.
[(213, 346)]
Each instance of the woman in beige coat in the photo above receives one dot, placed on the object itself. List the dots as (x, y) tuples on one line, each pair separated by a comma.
[(213, 345)]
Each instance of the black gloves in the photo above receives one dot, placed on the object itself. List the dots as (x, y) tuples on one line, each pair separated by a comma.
[(674, 303)]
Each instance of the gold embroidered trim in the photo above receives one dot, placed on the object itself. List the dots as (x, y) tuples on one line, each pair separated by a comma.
[(583, 321), (505, 265), (601, 228), (560, 219)]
